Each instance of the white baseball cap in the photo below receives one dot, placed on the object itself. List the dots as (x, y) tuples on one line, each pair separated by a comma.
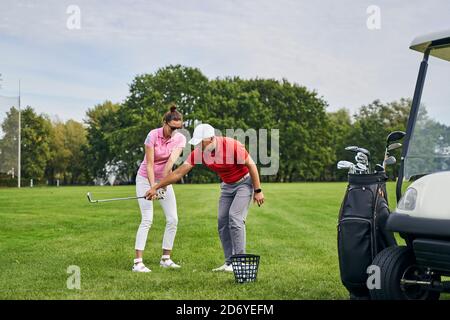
[(202, 131)]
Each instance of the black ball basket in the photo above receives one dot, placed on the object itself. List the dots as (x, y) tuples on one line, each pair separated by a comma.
[(245, 267)]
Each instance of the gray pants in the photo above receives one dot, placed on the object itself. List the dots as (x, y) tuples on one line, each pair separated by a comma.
[(234, 201)]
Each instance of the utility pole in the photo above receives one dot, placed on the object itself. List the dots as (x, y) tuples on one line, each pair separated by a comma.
[(19, 146)]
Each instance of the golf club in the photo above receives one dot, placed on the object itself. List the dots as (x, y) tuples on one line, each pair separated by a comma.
[(391, 147), (395, 136), (358, 149), (160, 195), (389, 161), (362, 156), (363, 159), (343, 164), (362, 168), (394, 146), (379, 168)]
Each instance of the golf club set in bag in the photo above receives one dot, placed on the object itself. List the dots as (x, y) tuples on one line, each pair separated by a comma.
[(363, 215)]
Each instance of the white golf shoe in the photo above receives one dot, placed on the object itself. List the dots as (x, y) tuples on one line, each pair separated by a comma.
[(139, 266), (224, 268), (168, 263)]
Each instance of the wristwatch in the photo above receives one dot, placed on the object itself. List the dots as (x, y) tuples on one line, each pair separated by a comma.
[(257, 190)]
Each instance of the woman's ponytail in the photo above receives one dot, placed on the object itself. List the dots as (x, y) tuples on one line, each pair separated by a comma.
[(172, 114)]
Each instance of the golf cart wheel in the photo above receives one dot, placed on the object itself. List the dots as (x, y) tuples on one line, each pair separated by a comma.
[(396, 263)]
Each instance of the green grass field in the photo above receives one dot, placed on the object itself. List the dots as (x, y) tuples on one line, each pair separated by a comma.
[(45, 230)]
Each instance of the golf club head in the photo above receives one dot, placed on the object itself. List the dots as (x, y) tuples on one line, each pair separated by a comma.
[(343, 164), (351, 148), (395, 136), (364, 151), (361, 157), (364, 163), (390, 161), (89, 196), (358, 149), (379, 168), (394, 146), (361, 166)]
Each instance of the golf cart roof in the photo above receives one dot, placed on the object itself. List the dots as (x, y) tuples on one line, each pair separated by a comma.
[(436, 40)]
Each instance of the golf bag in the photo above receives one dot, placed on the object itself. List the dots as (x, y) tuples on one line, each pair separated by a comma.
[(361, 229)]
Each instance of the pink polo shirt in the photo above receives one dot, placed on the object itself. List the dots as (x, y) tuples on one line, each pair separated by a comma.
[(163, 148)]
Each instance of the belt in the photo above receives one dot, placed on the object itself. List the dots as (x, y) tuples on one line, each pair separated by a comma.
[(243, 178)]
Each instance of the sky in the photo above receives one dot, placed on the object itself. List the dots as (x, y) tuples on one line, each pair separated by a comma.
[(323, 45)]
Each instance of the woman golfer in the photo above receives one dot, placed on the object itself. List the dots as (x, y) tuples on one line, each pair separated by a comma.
[(163, 146), (229, 159)]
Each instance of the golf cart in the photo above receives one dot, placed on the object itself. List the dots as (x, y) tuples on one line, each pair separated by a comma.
[(422, 216)]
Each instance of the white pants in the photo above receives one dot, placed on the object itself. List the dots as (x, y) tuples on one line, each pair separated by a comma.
[(169, 205)]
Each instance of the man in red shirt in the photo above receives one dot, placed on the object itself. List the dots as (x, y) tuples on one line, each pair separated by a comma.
[(235, 167)]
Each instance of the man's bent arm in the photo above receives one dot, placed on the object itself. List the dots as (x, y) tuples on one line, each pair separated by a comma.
[(174, 176)]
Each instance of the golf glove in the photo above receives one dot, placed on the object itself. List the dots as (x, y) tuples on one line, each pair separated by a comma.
[(161, 193)]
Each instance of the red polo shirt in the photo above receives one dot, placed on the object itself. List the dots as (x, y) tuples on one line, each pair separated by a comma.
[(227, 159)]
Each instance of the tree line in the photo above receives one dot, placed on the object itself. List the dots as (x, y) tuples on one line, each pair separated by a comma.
[(110, 139)]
